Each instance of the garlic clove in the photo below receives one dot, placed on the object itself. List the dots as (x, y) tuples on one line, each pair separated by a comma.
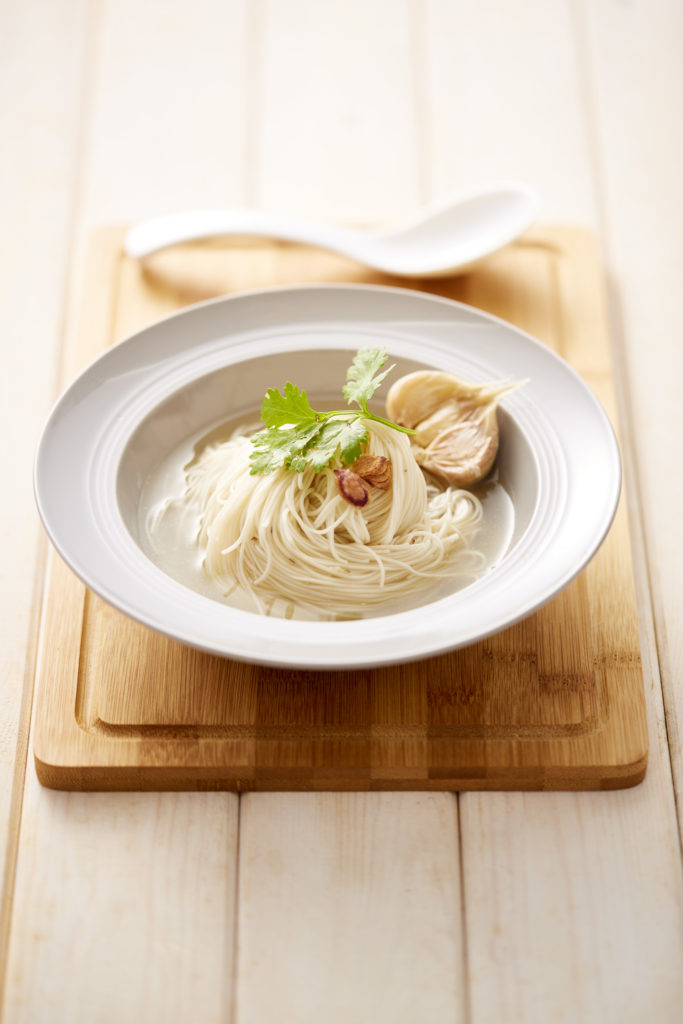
[(351, 487), (376, 470), (462, 454), (455, 423), (416, 396)]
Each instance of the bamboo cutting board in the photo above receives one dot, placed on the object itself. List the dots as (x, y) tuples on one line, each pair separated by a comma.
[(555, 702)]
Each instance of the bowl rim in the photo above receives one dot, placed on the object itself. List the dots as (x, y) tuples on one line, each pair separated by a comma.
[(280, 652)]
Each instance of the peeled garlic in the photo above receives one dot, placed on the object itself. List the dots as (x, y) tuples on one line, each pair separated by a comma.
[(455, 423)]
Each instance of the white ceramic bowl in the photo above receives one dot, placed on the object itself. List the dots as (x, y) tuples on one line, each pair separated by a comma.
[(134, 404)]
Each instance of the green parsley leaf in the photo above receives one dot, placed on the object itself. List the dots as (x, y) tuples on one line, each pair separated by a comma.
[(280, 446), (362, 377), (347, 435), (351, 438), (296, 436), (288, 408)]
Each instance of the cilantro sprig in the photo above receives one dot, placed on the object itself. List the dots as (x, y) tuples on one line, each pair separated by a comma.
[(296, 436)]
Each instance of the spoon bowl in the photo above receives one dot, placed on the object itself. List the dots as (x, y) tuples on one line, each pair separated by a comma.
[(442, 239)]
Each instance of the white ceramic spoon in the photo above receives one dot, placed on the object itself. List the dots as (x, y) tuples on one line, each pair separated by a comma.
[(448, 236)]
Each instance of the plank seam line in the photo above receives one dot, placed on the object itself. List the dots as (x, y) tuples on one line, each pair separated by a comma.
[(91, 36), (234, 973), (422, 123), (465, 953), (21, 759), (253, 82), (617, 333)]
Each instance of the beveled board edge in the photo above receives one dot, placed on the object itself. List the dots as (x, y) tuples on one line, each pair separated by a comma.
[(52, 729)]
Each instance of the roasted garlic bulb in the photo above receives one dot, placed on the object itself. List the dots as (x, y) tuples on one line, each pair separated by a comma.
[(455, 423)]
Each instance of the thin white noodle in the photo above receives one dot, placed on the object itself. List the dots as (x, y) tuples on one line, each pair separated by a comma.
[(292, 536)]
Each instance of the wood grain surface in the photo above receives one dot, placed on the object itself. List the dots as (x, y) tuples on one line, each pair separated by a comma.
[(381, 908), (555, 702)]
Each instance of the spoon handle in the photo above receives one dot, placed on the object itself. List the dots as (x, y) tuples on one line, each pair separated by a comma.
[(151, 235)]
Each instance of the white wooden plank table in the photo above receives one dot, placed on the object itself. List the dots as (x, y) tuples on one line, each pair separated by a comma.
[(482, 908)]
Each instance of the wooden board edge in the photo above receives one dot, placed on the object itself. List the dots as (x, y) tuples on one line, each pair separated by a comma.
[(126, 778), (105, 254), (102, 263)]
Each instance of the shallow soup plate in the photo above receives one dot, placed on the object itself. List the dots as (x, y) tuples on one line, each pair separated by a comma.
[(148, 395)]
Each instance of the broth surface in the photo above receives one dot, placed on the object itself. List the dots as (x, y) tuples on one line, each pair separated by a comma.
[(167, 532)]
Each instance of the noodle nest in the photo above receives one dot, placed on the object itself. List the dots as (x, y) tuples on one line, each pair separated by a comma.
[(290, 540)]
